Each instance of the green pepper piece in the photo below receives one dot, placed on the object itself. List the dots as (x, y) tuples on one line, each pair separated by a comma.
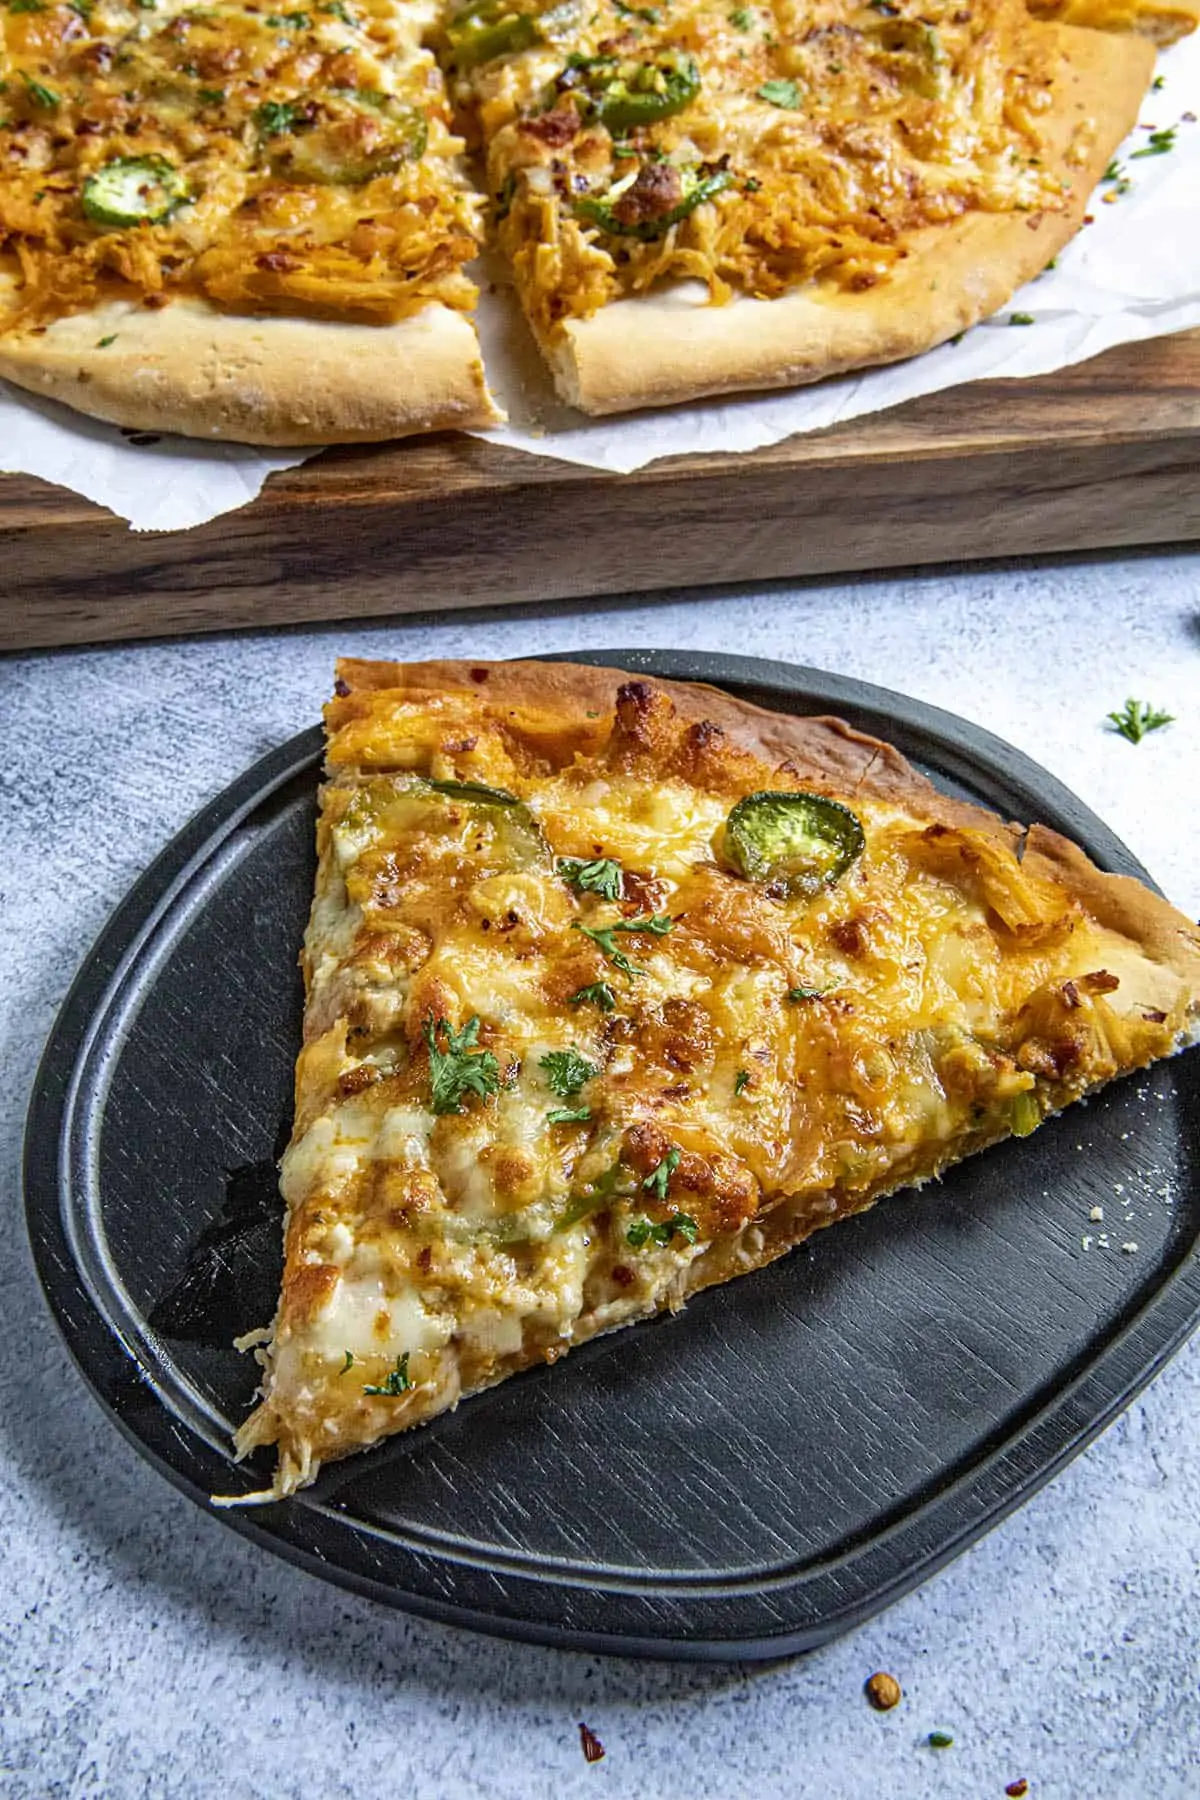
[(134, 190), (475, 790), (516, 824), (804, 840), (626, 93), (697, 188), (343, 150), (1026, 1114), (486, 29)]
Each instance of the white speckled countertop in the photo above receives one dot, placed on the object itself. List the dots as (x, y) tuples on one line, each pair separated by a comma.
[(146, 1650)]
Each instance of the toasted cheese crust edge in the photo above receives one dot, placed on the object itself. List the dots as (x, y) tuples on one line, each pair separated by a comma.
[(258, 380), (821, 749), (655, 349)]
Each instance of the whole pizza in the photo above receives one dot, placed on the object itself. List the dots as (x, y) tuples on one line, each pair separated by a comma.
[(235, 222)]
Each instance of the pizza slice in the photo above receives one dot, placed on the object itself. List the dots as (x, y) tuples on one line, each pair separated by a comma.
[(234, 222), (698, 198), (618, 988)]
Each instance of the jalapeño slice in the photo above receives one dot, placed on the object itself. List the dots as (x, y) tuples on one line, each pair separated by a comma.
[(626, 93), (134, 190), (804, 840), (696, 187), (486, 29), (369, 134), (475, 790), (517, 827)]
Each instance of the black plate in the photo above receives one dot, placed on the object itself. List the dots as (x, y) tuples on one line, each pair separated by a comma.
[(789, 1455)]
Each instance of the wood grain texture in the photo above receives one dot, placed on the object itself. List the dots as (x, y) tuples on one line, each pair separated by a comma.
[(1102, 455)]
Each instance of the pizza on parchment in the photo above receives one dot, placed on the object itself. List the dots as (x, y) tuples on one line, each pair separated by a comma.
[(238, 222), (619, 988)]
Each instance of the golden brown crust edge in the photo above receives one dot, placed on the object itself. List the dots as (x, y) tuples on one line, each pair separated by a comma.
[(582, 696), (823, 750), (274, 381), (1162, 21), (657, 349)]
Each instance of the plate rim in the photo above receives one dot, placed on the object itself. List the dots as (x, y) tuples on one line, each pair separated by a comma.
[(1073, 1413)]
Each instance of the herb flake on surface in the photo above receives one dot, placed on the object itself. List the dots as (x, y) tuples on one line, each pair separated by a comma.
[(458, 1069), (397, 1382), (1136, 718)]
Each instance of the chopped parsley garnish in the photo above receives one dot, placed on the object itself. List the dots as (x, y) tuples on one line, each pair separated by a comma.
[(1113, 171), (563, 1115), (940, 1740), (1020, 318), (566, 1072), (274, 117), (397, 1382), (885, 7), (1158, 84), (598, 993), (602, 937), (781, 93), (43, 96), (299, 21), (602, 877), (103, 343), (81, 8), (146, 5), (1136, 718), (742, 19), (658, 1180), (337, 11), (25, 6), (643, 1232), (657, 924), (459, 1069), (797, 994), (751, 185), (1157, 144), (649, 15), (348, 1364), (210, 96), (741, 1081)]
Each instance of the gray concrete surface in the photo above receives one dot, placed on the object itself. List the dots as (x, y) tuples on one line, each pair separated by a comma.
[(145, 1650)]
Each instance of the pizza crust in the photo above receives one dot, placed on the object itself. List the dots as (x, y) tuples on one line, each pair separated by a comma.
[(671, 346), (269, 380)]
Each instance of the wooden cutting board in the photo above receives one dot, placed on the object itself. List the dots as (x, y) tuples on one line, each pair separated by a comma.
[(1101, 455)]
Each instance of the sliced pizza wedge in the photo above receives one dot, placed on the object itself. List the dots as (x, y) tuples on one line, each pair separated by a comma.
[(699, 198), (234, 222), (618, 988)]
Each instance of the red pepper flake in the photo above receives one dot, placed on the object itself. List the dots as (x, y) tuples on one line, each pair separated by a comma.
[(1089, 218), (589, 1743), (1016, 1789)]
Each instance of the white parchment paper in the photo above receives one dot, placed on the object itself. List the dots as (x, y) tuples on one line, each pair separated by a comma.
[(1134, 272)]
